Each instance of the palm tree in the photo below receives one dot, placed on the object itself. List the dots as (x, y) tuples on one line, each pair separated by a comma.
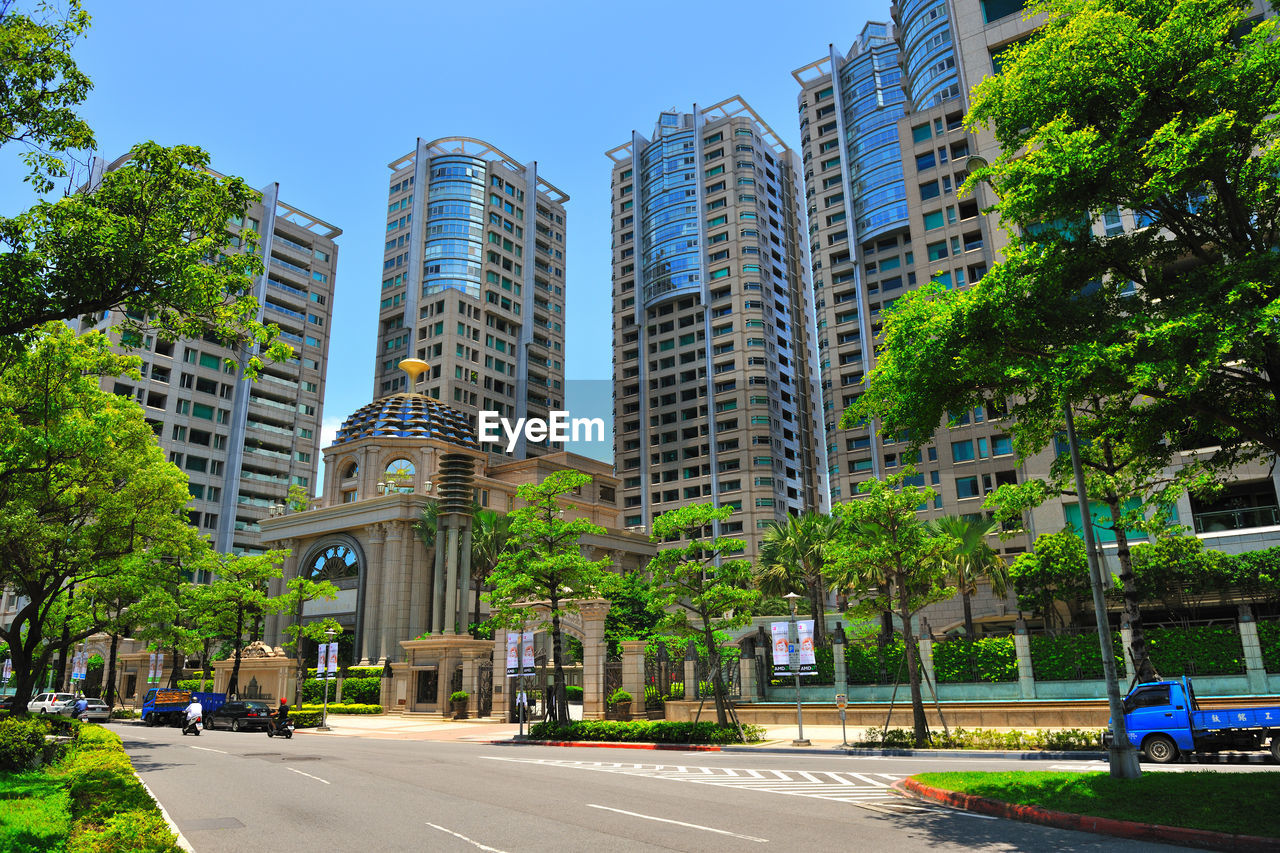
[(490, 535), (971, 559), (792, 556), (851, 575)]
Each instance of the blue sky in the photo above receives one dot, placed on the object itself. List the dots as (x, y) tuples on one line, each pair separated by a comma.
[(321, 96)]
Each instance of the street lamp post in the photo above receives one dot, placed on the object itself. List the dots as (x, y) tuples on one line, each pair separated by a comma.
[(324, 711), (793, 640), (1123, 758)]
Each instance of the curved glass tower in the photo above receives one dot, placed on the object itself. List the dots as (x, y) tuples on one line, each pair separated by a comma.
[(928, 47), (669, 211), (455, 233)]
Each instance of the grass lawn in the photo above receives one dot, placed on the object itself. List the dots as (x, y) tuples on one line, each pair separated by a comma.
[(1221, 802), (35, 813)]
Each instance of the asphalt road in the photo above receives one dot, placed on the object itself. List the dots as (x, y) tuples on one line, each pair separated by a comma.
[(243, 792)]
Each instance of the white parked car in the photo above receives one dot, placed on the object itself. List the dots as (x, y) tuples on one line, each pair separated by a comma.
[(52, 703)]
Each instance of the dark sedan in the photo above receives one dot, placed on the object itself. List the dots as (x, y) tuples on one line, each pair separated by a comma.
[(240, 715)]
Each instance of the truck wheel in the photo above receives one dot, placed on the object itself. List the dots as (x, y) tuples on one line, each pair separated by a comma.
[(1275, 745), (1160, 748)]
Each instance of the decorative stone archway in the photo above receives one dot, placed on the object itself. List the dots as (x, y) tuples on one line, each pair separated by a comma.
[(587, 625), (339, 559)]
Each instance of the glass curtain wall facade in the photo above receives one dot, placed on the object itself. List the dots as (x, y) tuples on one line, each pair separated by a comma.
[(713, 392), (473, 282)]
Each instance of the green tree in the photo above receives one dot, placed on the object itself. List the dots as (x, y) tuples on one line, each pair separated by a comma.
[(546, 563), (238, 597), (792, 557), (82, 484), (701, 589), (971, 560), (41, 86), (290, 604), (633, 614), (1055, 570), (149, 242), (896, 564)]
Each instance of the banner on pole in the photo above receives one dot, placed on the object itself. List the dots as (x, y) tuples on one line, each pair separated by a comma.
[(332, 666), (804, 636), (151, 669), (159, 666), (781, 648), (514, 648), (7, 670)]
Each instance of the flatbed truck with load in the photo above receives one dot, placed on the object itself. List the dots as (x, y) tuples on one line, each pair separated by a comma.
[(1164, 720), (168, 707)]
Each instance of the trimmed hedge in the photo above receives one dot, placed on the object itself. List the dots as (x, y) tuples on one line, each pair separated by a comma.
[(573, 693), (642, 731), (199, 685), (991, 659), (1070, 657), (1269, 638), (1198, 650), (1074, 740), (113, 813), (22, 742), (863, 662), (364, 690), (343, 708)]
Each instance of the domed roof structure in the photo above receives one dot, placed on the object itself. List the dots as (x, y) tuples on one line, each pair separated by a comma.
[(409, 416)]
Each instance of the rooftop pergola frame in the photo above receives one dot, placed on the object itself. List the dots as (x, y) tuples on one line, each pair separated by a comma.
[(469, 146), (730, 107)]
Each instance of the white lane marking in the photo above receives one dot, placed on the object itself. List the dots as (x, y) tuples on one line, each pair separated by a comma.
[(470, 841), (308, 775), (210, 749), (681, 823)]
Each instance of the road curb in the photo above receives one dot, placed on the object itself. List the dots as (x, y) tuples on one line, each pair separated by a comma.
[(1133, 830), (173, 827)]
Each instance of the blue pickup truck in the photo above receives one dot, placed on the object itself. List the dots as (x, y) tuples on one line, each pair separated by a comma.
[(1164, 721), (167, 707)]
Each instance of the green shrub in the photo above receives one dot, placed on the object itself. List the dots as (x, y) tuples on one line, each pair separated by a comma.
[(642, 731), (199, 685), (131, 832), (1269, 637), (365, 690), (989, 659), (573, 693), (123, 714), (21, 742), (864, 662), (305, 719), (1056, 741), (341, 708), (1197, 650), (459, 696), (1070, 657), (618, 696)]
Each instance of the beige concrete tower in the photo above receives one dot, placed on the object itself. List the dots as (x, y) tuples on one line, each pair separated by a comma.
[(473, 281), (713, 391), (242, 443)]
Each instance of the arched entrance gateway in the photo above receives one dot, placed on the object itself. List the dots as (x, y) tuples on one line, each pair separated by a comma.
[(404, 603)]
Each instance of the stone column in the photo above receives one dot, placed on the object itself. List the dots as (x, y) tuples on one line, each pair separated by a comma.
[(374, 644), (593, 657), (691, 672), (415, 564), (437, 583), (1126, 643), (451, 574), (398, 545), (1255, 669), (464, 576), (501, 698), (633, 674), (925, 644), (747, 674), (1026, 672), (273, 630)]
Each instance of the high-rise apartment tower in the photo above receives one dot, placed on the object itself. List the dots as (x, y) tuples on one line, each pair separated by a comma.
[(243, 443), (473, 282), (713, 390)]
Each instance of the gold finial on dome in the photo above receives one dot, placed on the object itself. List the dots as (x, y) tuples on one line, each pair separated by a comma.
[(413, 368)]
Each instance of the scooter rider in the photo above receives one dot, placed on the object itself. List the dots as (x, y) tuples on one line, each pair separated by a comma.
[(194, 713), (282, 717)]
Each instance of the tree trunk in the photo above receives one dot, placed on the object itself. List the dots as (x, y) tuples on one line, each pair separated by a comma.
[(920, 725), (233, 686), (557, 658), (176, 671), (1146, 671), (713, 661), (110, 692), (475, 614), (968, 613)]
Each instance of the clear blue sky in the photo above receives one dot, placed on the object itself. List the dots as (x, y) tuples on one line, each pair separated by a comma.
[(321, 96)]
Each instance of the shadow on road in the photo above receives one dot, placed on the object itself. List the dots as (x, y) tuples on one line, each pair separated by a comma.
[(949, 828)]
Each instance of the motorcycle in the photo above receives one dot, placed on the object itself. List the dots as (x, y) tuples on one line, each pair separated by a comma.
[(285, 731), (193, 726)]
